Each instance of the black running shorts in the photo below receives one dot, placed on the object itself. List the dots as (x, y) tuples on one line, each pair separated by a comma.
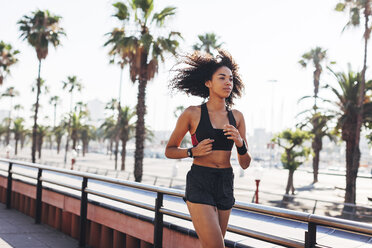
[(211, 186)]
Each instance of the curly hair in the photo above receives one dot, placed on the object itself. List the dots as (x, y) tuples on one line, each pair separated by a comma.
[(200, 69)]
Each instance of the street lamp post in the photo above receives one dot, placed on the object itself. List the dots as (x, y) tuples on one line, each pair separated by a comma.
[(258, 173)]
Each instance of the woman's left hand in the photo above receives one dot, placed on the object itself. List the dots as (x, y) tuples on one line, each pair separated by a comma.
[(233, 134)]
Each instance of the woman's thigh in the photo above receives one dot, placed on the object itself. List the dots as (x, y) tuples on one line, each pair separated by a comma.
[(223, 218), (205, 219)]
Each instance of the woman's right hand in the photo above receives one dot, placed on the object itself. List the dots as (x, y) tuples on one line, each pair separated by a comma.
[(203, 148)]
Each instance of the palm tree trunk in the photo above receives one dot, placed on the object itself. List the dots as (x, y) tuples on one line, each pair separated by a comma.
[(40, 144), (351, 178), (16, 146), (34, 128), (123, 153), (351, 171), (140, 130), (58, 146), (118, 129), (317, 147)]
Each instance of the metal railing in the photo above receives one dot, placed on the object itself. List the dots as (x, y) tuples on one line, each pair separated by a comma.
[(159, 211)]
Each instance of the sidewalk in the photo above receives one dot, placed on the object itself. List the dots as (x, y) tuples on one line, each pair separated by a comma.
[(20, 231)]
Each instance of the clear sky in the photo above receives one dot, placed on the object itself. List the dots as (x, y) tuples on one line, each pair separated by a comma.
[(267, 38)]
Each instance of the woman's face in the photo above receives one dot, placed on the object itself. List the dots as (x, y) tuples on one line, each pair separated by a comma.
[(221, 83)]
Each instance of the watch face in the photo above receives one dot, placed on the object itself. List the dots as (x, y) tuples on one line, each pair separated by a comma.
[(189, 153)]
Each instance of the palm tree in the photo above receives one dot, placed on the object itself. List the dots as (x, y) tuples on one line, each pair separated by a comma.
[(19, 131), (294, 152), (126, 130), (42, 131), (17, 108), (143, 51), (71, 85), (317, 124), (347, 104), (109, 128), (11, 93), (76, 126), (2, 130), (208, 42), (40, 29), (58, 132), (54, 100), (87, 133), (7, 59), (315, 56), (357, 10)]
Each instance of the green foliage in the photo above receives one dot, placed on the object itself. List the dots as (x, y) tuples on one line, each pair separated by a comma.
[(209, 42), (295, 153), (40, 29), (7, 59)]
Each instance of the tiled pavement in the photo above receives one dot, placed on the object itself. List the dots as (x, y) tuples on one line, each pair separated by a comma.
[(20, 231)]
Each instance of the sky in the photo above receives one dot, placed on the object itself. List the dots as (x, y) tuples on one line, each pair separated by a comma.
[(266, 38)]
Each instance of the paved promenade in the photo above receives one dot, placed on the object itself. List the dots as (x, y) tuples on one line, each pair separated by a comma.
[(18, 230)]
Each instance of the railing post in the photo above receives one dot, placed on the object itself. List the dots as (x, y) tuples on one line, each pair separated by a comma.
[(83, 212), (310, 235), (39, 190), (9, 187), (158, 222)]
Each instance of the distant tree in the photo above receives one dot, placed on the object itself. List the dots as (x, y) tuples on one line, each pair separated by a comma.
[(108, 127), (41, 133), (40, 29), (347, 94), (71, 85), (7, 59), (87, 133), (127, 130), (294, 153), (209, 43), (54, 100), (18, 131), (11, 93)]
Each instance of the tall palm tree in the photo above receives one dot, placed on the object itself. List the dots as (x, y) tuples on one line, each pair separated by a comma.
[(17, 108), (7, 59), (71, 85), (40, 29), (127, 130), (315, 57), (18, 130), (208, 43), (11, 93), (54, 100), (143, 51), (294, 152), (358, 9), (347, 104)]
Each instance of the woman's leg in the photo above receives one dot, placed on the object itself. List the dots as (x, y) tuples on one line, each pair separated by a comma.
[(205, 219), (223, 218)]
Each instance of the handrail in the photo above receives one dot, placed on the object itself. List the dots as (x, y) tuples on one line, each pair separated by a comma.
[(311, 219)]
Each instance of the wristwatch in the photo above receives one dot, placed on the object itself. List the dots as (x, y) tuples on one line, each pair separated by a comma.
[(189, 153)]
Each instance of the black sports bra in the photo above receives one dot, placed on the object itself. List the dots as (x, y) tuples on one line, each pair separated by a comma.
[(205, 130)]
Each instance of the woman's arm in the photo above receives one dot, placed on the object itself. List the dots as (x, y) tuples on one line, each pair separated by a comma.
[(238, 135), (172, 149), (182, 127)]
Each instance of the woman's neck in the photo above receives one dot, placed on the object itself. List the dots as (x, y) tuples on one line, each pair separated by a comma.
[(216, 104)]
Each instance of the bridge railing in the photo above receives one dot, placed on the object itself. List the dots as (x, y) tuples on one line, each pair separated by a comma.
[(313, 221)]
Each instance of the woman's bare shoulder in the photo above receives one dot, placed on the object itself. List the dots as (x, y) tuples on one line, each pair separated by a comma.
[(238, 115), (192, 111)]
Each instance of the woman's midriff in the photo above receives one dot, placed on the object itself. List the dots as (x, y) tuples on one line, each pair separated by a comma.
[(216, 159)]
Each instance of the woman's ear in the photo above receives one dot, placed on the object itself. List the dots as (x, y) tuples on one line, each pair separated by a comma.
[(208, 84)]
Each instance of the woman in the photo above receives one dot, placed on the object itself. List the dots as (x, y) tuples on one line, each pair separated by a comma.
[(214, 129)]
